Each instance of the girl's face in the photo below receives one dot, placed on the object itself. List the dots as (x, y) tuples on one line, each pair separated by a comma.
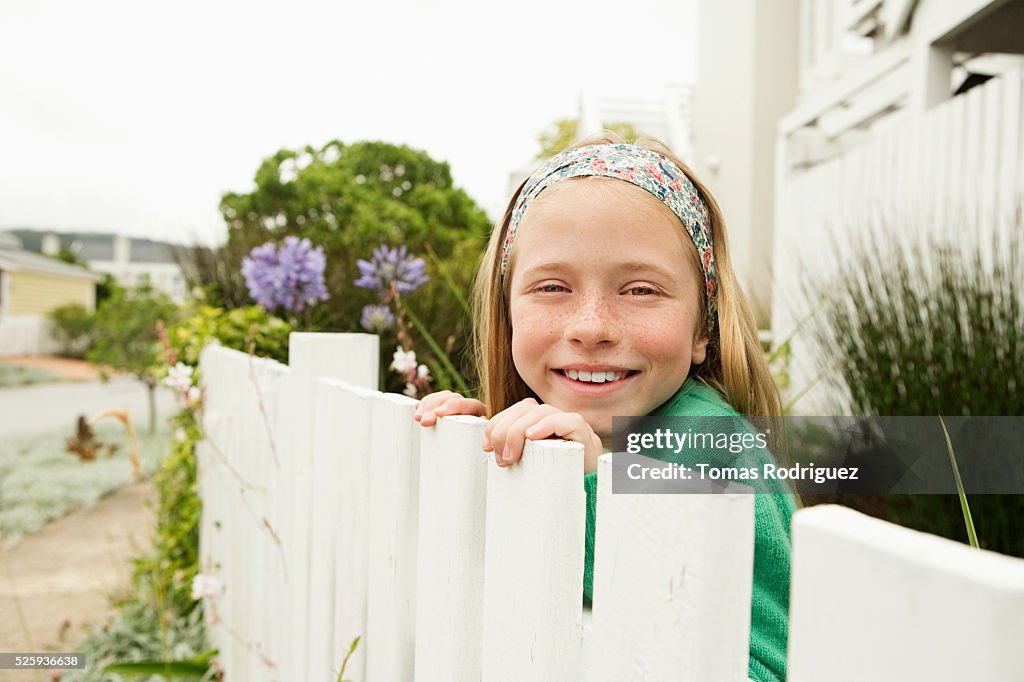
[(604, 301)]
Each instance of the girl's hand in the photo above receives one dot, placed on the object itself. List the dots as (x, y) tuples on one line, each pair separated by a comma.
[(446, 403), (507, 432)]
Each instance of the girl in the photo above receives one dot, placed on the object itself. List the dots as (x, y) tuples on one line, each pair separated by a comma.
[(607, 290)]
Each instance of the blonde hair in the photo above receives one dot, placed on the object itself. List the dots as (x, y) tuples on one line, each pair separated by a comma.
[(734, 365)]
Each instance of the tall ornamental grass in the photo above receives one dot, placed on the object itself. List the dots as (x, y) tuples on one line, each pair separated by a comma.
[(924, 326)]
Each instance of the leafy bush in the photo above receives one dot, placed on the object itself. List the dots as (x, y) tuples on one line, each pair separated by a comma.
[(164, 575), (240, 328), (72, 329), (927, 328)]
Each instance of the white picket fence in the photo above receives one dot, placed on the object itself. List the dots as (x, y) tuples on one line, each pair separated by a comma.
[(328, 513)]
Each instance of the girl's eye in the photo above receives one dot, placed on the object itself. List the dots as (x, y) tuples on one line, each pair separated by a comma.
[(549, 288), (642, 291)]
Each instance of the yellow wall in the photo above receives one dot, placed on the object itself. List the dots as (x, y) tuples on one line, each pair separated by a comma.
[(33, 293)]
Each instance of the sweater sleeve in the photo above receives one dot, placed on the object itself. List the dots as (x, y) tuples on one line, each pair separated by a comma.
[(590, 485)]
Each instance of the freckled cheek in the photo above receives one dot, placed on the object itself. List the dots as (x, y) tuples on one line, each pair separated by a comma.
[(660, 340), (534, 326), (532, 334)]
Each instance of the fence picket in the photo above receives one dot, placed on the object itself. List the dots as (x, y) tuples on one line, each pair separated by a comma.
[(354, 417), (898, 604), (325, 524), (672, 585), (393, 527), (450, 569), (533, 569)]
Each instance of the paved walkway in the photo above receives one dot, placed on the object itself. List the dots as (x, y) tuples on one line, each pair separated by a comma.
[(63, 574)]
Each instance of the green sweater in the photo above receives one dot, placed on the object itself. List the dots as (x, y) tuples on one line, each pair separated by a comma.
[(769, 607)]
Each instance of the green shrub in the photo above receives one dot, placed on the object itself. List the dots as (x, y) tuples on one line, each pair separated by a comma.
[(242, 329), (930, 328), (72, 329)]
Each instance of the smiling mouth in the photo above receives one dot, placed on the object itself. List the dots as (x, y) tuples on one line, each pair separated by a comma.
[(604, 377)]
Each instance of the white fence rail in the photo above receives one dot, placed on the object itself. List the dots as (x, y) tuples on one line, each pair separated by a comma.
[(329, 514)]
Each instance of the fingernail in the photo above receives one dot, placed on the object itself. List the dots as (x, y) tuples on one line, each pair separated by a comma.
[(428, 415), (532, 430), (506, 454)]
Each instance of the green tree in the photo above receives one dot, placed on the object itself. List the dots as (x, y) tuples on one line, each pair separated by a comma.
[(349, 199), (562, 133), (125, 337)]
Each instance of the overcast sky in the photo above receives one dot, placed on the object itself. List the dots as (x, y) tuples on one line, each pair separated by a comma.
[(118, 116)]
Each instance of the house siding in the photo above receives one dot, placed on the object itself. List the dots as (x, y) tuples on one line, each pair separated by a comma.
[(31, 293)]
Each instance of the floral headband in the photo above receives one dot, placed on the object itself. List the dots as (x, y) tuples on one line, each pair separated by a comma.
[(644, 168)]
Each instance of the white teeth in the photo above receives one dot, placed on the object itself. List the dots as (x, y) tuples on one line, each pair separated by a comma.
[(594, 377)]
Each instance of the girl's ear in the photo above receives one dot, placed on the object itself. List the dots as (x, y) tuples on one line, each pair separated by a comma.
[(699, 351)]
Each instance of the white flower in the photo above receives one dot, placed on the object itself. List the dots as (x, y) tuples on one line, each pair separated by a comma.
[(179, 377), (193, 395), (422, 372), (206, 586), (403, 361), (410, 390), (180, 435)]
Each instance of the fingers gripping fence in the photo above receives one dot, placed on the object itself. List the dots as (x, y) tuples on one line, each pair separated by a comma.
[(329, 513)]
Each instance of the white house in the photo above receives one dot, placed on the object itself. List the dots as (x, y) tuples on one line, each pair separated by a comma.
[(133, 266), (746, 79), (814, 119)]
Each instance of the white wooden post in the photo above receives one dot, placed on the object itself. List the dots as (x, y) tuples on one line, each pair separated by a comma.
[(354, 418), (236, 478), (672, 585), (351, 357), (450, 574), (871, 600), (267, 570), (533, 568), (329, 440), (394, 461), (221, 522)]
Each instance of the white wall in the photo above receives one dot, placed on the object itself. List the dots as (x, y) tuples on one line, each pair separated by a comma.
[(26, 335), (746, 79)]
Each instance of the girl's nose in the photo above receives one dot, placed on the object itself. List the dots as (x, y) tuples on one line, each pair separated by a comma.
[(591, 322)]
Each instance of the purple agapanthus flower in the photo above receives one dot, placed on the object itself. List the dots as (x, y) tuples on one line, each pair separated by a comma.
[(391, 265), (290, 276), (377, 319)]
